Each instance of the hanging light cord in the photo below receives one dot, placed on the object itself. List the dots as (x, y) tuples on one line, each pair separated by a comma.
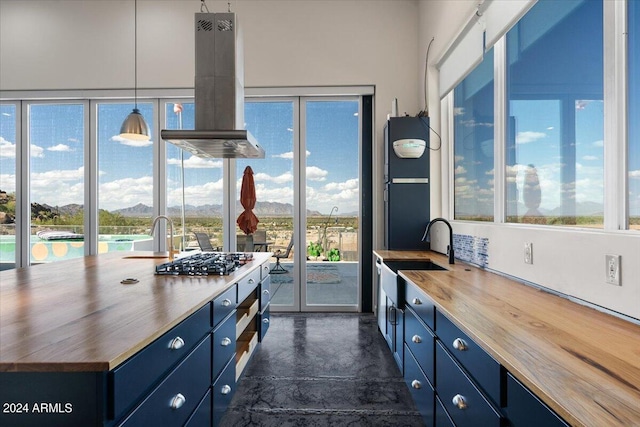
[(135, 53)]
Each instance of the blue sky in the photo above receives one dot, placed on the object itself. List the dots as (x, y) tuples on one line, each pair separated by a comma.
[(126, 167)]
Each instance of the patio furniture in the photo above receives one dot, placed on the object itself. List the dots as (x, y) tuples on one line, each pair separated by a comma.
[(205, 243), (278, 268)]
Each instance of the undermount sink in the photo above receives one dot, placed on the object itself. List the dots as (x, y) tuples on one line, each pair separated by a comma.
[(412, 265), (392, 286)]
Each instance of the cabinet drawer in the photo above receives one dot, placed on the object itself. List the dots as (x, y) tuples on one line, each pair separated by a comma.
[(224, 304), (484, 369), (265, 292), (526, 410), (223, 390), (264, 270), (224, 345), (265, 320), (421, 304), (171, 403), (201, 417), (471, 408), (421, 342), (248, 284), (442, 418), (420, 387), (133, 378)]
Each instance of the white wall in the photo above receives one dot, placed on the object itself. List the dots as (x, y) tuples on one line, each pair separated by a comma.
[(68, 44), (569, 261)]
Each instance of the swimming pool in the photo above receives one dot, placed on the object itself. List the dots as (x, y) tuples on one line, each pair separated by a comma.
[(56, 250)]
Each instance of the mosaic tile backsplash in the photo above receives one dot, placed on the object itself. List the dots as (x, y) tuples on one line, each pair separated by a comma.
[(472, 249)]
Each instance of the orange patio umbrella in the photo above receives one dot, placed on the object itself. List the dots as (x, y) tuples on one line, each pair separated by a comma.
[(247, 221)]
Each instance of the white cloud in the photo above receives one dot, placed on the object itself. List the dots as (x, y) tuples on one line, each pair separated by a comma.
[(8, 182), (130, 142), (589, 158), (314, 173), (37, 151), (7, 149), (458, 111), (194, 162), (348, 185), (126, 192), (634, 174), (279, 179), (61, 148), (458, 159), (288, 155), (529, 136), (460, 170), (58, 187), (599, 143)]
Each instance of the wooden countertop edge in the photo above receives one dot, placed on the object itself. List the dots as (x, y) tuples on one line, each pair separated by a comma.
[(107, 364), (582, 402)]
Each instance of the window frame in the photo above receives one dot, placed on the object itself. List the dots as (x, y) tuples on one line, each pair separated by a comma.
[(615, 89)]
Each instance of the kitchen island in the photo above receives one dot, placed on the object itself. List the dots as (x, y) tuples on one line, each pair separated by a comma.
[(581, 363), (89, 341)]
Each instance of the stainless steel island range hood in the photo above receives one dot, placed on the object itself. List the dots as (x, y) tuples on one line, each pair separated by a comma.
[(219, 93)]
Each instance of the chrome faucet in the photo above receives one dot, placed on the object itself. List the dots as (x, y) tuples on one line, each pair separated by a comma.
[(172, 251), (425, 237)]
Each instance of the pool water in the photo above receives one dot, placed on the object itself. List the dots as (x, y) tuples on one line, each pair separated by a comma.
[(57, 250)]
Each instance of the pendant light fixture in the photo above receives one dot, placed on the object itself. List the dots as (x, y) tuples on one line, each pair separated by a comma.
[(134, 127)]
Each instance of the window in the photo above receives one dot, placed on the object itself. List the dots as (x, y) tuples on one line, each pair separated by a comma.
[(125, 180), (634, 115), (194, 184), (8, 144), (473, 144), (554, 152), (56, 183)]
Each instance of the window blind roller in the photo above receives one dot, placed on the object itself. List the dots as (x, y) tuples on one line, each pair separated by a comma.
[(461, 57), (500, 15)]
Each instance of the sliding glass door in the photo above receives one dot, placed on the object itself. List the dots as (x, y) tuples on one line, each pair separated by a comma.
[(307, 191), (332, 203)]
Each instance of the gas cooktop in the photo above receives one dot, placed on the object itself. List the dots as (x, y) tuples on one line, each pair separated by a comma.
[(205, 264)]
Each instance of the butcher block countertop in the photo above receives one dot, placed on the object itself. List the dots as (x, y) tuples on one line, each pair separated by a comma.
[(76, 315), (583, 363)]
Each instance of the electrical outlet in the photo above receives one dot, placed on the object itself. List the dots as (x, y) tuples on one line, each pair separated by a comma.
[(528, 253), (612, 273)]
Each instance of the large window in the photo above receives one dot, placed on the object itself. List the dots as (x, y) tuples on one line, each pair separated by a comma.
[(8, 144), (194, 185), (125, 177), (554, 156), (56, 138), (634, 115), (473, 133)]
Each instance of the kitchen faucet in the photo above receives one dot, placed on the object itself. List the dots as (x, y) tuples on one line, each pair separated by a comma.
[(425, 237), (172, 251)]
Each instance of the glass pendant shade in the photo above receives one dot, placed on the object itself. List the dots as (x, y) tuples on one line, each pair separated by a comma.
[(134, 127)]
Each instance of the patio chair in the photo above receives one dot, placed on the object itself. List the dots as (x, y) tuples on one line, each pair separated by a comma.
[(204, 242), (278, 268)]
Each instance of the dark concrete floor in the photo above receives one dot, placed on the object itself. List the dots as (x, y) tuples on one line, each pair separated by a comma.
[(322, 369)]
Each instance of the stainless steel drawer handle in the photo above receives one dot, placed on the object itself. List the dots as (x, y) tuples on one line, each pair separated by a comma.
[(416, 384), (226, 302), (176, 343), (265, 321), (460, 401), (416, 339), (265, 268), (251, 281), (266, 292), (225, 341), (177, 401), (416, 301), (226, 389), (460, 345)]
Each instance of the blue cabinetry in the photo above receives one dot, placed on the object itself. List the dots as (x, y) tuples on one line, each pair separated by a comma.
[(526, 410), (454, 381)]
